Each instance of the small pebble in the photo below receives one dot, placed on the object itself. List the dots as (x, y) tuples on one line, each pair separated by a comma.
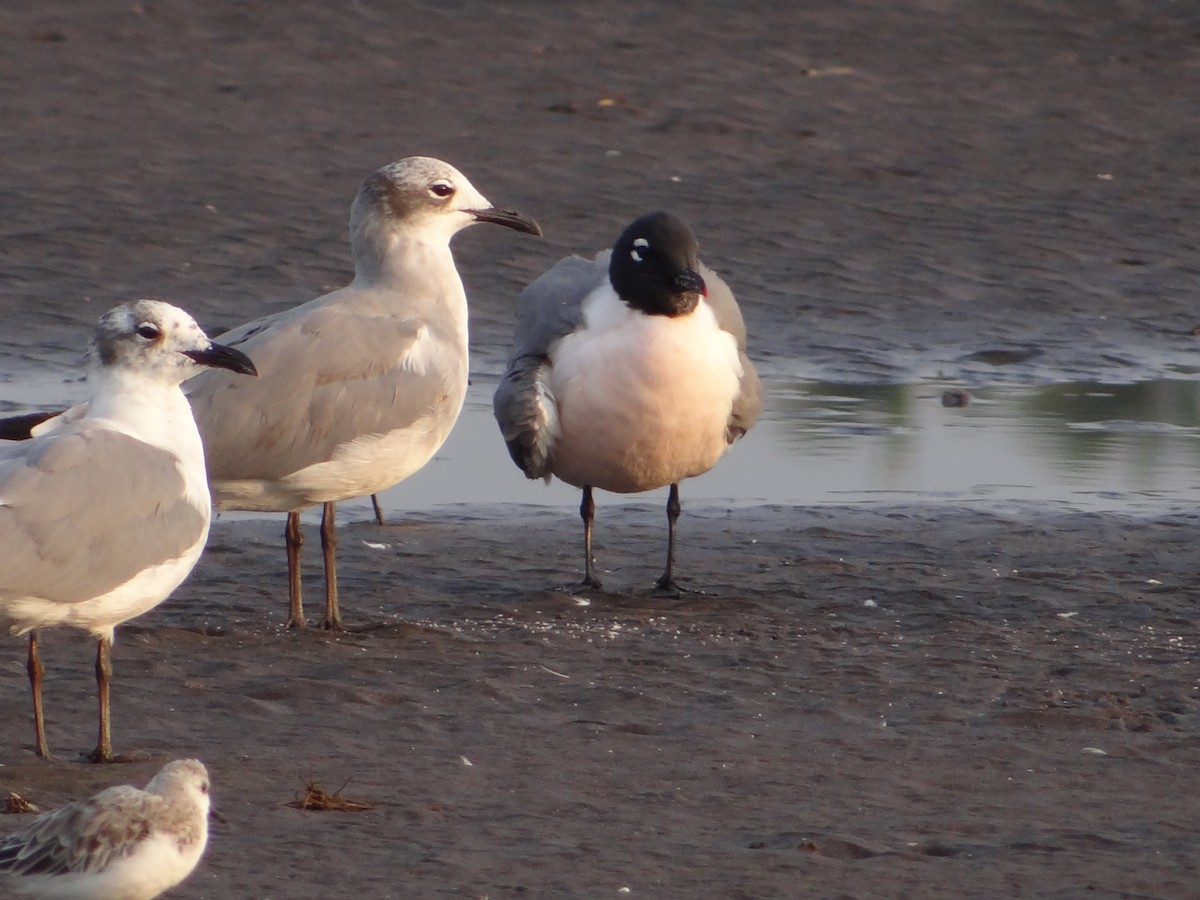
[(956, 397)]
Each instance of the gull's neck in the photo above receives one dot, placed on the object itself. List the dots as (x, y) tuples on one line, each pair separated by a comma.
[(384, 253), (414, 270), (155, 412), (151, 409)]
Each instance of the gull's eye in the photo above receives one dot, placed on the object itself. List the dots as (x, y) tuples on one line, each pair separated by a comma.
[(204, 787), (638, 246), (148, 331), (441, 189)]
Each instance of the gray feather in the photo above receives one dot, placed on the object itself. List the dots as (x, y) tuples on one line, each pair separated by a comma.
[(547, 311), (293, 416), (749, 401), (85, 836), (67, 536)]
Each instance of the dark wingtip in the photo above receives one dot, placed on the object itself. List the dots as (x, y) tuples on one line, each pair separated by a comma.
[(20, 428)]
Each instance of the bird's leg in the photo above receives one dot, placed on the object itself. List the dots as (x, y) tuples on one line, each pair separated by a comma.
[(667, 581), (294, 540), (36, 672), (333, 615), (378, 510), (103, 752), (587, 512)]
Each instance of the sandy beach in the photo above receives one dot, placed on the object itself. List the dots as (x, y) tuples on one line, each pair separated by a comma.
[(919, 700)]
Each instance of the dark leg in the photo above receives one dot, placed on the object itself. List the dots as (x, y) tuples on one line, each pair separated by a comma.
[(667, 582), (333, 615), (587, 512), (294, 540), (378, 510), (36, 671), (103, 752)]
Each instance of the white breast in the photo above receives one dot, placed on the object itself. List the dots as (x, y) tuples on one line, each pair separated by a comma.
[(644, 400)]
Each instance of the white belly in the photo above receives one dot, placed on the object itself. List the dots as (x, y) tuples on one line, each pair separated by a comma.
[(156, 865), (643, 401)]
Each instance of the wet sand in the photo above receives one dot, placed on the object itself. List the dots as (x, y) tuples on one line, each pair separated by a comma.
[(863, 702), (927, 701)]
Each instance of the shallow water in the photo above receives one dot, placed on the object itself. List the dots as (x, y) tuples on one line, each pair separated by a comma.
[(1075, 446), (1125, 447), (1132, 448)]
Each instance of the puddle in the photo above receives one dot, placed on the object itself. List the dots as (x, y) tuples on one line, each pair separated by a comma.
[(1079, 446), (1131, 448)]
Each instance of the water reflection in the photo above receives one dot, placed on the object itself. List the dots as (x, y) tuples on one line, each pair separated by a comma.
[(1145, 427), (1082, 445), (1127, 447)]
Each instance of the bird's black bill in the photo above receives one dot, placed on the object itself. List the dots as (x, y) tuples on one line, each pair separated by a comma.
[(221, 357), (508, 218), (691, 282)]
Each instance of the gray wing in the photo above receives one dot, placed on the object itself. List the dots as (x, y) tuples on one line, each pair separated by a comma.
[(85, 836), (325, 377), (548, 310), (83, 511), (748, 404)]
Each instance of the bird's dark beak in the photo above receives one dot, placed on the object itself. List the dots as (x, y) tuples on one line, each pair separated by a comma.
[(221, 357), (508, 218), (689, 281)]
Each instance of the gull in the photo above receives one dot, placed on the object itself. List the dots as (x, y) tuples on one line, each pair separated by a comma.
[(360, 387), (628, 372), (103, 516), (125, 843)]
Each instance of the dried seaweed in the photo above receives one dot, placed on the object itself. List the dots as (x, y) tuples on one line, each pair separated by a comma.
[(317, 798)]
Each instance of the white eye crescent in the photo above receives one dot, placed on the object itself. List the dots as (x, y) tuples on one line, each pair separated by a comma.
[(639, 245)]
